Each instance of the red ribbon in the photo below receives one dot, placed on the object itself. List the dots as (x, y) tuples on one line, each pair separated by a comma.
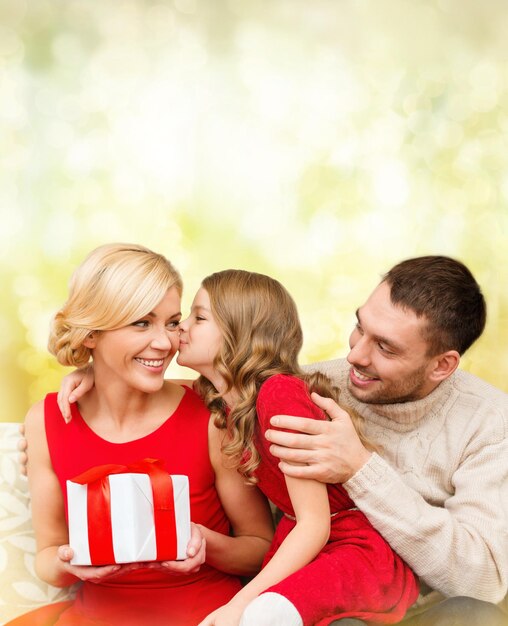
[(100, 532)]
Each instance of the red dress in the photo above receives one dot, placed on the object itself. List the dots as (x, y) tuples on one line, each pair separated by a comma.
[(356, 574), (145, 597)]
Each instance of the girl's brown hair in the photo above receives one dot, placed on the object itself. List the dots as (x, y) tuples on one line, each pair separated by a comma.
[(262, 336)]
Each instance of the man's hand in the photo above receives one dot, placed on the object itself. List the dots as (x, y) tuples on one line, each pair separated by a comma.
[(330, 451)]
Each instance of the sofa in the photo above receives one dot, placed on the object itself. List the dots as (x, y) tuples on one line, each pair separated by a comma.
[(20, 589)]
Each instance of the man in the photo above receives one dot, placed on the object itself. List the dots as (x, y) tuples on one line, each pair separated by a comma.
[(437, 486)]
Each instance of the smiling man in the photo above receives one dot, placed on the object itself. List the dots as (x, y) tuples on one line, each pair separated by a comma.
[(437, 485)]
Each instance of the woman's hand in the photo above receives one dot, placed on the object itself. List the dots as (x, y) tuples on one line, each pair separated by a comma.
[(74, 386), (196, 551), (93, 573)]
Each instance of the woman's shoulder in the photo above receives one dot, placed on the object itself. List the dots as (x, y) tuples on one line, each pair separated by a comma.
[(35, 414), (35, 430)]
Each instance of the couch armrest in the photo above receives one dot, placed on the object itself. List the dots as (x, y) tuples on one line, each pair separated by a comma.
[(21, 590)]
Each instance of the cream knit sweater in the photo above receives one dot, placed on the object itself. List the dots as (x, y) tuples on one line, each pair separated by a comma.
[(437, 489)]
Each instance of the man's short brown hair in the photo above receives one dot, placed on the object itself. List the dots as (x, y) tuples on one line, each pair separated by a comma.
[(444, 291)]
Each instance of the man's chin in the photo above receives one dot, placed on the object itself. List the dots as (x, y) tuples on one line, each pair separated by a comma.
[(368, 396)]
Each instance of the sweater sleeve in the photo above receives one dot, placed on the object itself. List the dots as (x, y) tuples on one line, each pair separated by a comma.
[(459, 547)]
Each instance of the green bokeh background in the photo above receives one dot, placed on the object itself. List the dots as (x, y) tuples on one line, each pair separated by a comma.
[(318, 141)]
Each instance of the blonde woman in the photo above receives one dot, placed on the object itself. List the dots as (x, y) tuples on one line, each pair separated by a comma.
[(123, 312), (326, 561)]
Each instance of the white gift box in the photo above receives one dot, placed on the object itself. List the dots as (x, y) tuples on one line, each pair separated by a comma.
[(134, 535)]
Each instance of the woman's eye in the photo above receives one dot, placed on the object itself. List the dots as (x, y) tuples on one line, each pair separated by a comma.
[(141, 323), (173, 325)]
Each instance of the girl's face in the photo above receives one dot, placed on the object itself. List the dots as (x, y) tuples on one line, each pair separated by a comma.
[(200, 337), (138, 354)]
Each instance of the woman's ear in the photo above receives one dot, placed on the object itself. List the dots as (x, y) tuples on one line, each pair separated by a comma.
[(91, 340)]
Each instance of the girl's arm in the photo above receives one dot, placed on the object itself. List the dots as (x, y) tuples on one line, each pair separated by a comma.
[(248, 512), (78, 383), (309, 500), (312, 511), (48, 516)]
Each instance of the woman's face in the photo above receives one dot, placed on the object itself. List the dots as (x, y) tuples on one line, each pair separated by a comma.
[(200, 336), (138, 354)]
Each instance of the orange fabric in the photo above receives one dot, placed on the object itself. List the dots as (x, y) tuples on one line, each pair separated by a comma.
[(43, 616)]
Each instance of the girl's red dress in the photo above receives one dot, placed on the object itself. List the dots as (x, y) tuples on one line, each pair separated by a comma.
[(144, 597), (356, 574)]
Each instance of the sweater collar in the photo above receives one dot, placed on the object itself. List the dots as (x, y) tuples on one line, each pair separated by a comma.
[(403, 415)]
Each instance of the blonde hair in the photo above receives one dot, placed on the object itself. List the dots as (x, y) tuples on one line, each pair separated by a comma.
[(262, 336), (114, 286)]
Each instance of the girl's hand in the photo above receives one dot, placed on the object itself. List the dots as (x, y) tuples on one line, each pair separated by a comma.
[(74, 386), (196, 551), (93, 573), (227, 615)]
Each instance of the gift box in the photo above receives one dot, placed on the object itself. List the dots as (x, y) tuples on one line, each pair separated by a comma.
[(128, 514)]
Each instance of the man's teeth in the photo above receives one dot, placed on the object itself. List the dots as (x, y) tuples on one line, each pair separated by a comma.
[(362, 376), (151, 363)]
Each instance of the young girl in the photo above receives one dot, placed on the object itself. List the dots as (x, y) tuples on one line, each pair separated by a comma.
[(326, 561), (123, 311)]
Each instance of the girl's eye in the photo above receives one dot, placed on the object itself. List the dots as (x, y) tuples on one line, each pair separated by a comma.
[(200, 319)]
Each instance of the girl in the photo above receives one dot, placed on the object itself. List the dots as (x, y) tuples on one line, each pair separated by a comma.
[(123, 311), (326, 561)]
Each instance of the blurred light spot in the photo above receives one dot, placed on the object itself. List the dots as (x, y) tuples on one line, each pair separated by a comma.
[(68, 50), (26, 285), (187, 7), (11, 46), (484, 81), (391, 186)]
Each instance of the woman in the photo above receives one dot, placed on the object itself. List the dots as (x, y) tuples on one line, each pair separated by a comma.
[(123, 312)]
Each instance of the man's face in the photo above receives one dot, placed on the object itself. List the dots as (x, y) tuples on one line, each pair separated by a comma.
[(388, 356)]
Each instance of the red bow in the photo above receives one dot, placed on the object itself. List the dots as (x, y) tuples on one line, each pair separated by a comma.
[(100, 539)]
